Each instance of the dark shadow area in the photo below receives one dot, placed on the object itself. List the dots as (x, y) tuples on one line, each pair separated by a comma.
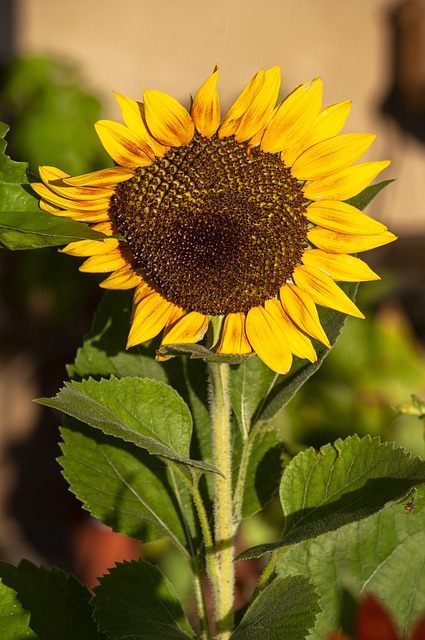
[(7, 31), (405, 102)]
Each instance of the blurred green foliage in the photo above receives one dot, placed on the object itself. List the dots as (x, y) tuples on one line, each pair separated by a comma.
[(51, 116)]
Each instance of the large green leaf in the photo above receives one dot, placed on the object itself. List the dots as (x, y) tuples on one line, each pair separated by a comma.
[(285, 610), (122, 485), (383, 554), (342, 483), (23, 225), (135, 600), (148, 413), (14, 620), (59, 604)]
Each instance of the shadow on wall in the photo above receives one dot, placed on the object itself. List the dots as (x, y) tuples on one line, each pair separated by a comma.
[(405, 102), (7, 31)]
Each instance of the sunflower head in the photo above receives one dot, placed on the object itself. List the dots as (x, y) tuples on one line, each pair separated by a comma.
[(242, 223)]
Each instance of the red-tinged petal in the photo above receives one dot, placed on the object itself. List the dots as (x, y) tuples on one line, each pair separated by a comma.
[(167, 120), (123, 145), (206, 107), (233, 336)]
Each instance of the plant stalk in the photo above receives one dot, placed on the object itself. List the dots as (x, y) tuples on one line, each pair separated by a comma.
[(223, 581)]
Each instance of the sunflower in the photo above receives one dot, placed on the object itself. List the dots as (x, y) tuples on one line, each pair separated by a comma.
[(243, 221)]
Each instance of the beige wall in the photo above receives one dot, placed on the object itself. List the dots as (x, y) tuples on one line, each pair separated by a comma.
[(172, 45)]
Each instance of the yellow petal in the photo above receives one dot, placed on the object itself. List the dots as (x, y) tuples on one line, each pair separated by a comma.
[(103, 178), (298, 342), (133, 115), (123, 145), (150, 315), (53, 178), (233, 336), (190, 329), (108, 228), (124, 278), (346, 183), (328, 124), (302, 310), (323, 290), (339, 266), (342, 217), (346, 243), (167, 120), (238, 108), (206, 107), (106, 262), (85, 248), (178, 313), (101, 204), (331, 156), (260, 110), (267, 338), (294, 117)]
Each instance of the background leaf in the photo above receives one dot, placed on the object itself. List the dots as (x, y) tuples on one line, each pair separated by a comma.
[(23, 225), (144, 605), (14, 620), (383, 554), (344, 482), (59, 604), (122, 485), (285, 610)]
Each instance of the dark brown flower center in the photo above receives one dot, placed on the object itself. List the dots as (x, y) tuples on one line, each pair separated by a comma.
[(214, 228)]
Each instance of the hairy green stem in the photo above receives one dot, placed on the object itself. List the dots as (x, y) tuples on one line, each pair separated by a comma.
[(223, 582)]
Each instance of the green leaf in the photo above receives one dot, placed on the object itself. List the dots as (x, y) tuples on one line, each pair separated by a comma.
[(342, 483), (59, 604), (361, 200), (147, 413), (14, 620), (122, 485), (135, 600), (23, 225), (285, 610), (383, 554)]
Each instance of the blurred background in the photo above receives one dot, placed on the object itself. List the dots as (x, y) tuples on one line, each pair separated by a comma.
[(59, 63)]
